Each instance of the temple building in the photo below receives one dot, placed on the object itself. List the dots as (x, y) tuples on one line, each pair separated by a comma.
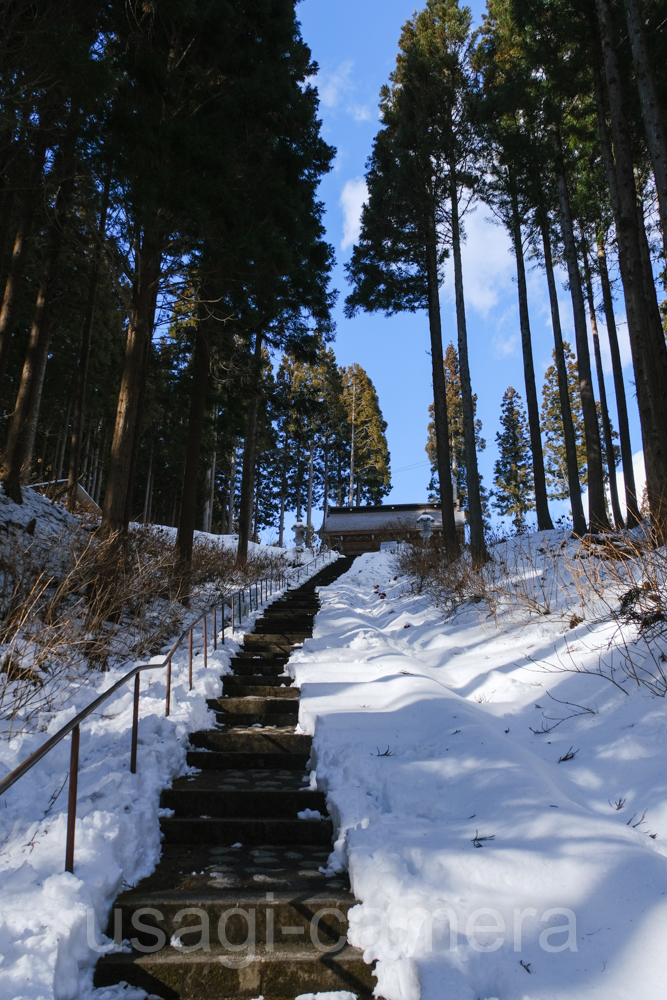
[(353, 530)]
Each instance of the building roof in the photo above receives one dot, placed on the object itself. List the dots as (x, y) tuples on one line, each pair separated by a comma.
[(402, 516)]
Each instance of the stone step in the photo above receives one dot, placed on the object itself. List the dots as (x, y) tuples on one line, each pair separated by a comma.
[(269, 879), (293, 607), (270, 719), (263, 690), (274, 638), (231, 682), (228, 794), (220, 974), (211, 760), (248, 804), (289, 908), (252, 704), (256, 666), (267, 644), (267, 656), (245, 830), (282, 626), (274, 741)]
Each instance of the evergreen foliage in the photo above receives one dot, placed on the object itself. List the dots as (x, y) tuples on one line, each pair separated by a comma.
[(458, 451), (513, 495)]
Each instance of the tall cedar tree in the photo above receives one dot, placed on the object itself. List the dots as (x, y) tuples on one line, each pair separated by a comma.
[(513, 495), (397, 264), (457, 442), (370, 476)]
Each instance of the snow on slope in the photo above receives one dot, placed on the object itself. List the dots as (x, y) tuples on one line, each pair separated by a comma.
[(48, 918), (50, 921), (424, 747)]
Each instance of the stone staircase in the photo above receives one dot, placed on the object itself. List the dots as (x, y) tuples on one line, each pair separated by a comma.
[(237, 906)]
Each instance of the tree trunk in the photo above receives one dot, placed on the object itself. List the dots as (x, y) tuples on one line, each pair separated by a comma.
[(281, 520), (207, 524), (17, 457), (648, 344), (578, 517), (186, 519), (62, 444), (597, 513), (232, 490), (84, 357), (632, 514), (351, 497), (10, 300), (283, 493), (544, 522), (606, 423), (249, 452), (440, 420), (309, 509), (115, 515), (654, 123), (148, 496), (478, 550), (325, 498)]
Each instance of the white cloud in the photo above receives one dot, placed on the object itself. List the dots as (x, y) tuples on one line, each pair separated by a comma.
[(352, 198), (332, 86), (488, 264), (361, 112), (504, 346)]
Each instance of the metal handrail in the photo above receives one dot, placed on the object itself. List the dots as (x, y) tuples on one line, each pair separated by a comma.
[(73, 725)]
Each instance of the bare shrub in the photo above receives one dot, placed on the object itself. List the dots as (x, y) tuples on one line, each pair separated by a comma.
[(448, 582), (71, 605)]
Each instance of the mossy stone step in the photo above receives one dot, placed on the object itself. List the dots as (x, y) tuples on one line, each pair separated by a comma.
[(245, 830)]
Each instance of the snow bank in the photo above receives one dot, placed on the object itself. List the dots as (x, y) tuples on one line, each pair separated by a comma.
[(50, 921), (485, 867)]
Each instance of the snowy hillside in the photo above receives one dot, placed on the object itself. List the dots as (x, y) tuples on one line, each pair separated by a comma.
[(486, 867)]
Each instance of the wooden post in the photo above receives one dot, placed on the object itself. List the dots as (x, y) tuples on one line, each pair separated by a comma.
[(135, 726), (71, 805), (168, 706)]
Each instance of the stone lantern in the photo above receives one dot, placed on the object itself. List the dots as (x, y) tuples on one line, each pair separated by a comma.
[(299, 530), (426, 522)]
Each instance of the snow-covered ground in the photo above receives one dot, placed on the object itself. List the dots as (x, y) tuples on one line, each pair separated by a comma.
[(486, 865), (50, 921), (486, 868)]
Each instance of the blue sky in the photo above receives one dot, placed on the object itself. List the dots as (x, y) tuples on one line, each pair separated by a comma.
[(355, 45)]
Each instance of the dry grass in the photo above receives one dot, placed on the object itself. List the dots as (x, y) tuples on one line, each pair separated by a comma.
[(72, 605)]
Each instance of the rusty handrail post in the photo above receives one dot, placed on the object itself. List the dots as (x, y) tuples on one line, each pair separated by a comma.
[(232, 606), (190, 659), (168, 705), (215, 629), (71, 805), (205, 644), (222, 623), (135, 726)]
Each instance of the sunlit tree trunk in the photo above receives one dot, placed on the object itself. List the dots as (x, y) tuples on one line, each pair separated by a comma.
[(606, 423), (475, 515), (574, 486), (544, 522), (597, 513), (632, 514), (441, 423)]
